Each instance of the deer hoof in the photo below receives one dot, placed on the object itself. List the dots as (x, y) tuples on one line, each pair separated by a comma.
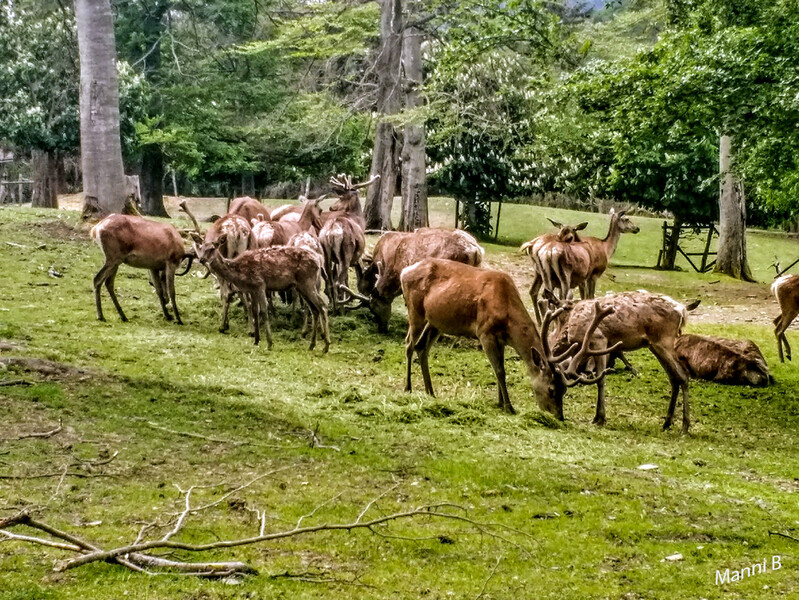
[(124, 319), (179, 322), (599, 421)]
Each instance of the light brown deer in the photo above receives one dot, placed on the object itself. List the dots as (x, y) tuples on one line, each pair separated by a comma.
[(349, 199), (278, 233), (540, 250), (638, 320), (786, 290), (139, 243), (249, 208), (732, 362), (394, 251), (445, 296), (274, 269)]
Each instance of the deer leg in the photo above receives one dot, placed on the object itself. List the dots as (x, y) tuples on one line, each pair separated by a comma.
[(426, 340), (778, 332), (224, 295), (255, 318), (109, 285), (535, 289), (169, 272), (496, 356), (155, 279), (259, 300), (599, 417), (627, 364), (679, 382), (99, 280)]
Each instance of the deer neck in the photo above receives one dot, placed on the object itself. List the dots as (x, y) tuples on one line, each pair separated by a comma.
[(612, 238), (523, 338)]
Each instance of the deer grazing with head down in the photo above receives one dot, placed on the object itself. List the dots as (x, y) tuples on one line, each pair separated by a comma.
[(139, 243), (786, 290), (448, 297), (637, 320), (249, 208), (278, 268), (395, 250)]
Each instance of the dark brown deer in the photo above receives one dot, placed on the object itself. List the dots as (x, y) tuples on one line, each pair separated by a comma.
[(786, 290), (279, 268), (638, 320), (448, 297), (394, 251), (733, 362), (140, 243), (349, 199)]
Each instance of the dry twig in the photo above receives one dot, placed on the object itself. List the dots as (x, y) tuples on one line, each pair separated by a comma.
[(42, 434)]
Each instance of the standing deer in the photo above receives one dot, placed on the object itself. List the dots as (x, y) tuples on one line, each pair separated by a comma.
[(278, 233), (275, 269), (786, 290), (638, 320), (249, 208), (580, 263), (139, 243), (445, 296)]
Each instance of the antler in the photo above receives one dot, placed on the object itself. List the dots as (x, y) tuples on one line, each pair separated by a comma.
[(585, 351), (342, 183), (353, 295), (550, 316), (365, 183), (345, 182), (184, 207)]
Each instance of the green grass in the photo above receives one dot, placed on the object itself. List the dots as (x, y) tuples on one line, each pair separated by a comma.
[(599, 527)]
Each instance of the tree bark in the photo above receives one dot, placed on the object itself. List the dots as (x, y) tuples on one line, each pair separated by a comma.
[(101, 149), (385, 157), (152, 182), (731, 259), (45, 179), (414, 166)]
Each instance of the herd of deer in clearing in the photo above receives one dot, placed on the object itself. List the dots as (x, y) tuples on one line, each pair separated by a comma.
[(299, 249)]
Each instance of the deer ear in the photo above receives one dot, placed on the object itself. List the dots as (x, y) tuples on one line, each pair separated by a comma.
[(553, 299), (538, 358), (196, 236), (581, 226), (622, 213), (612, 211), (555, 223)]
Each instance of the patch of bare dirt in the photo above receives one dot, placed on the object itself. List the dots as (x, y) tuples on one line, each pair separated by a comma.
[(47, 368), (59, 230)]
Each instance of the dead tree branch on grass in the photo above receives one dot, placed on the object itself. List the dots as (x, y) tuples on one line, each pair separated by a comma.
[(136, 556), (86, 470), (42, 434)]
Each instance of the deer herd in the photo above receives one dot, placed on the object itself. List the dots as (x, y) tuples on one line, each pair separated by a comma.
[(305, 254)]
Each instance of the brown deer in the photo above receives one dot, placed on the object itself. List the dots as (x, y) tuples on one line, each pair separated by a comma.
[(786, 290), (274, 269), (349, 199), (343, 243), (249, 208), (278, 233), (539, 250), (733, 362), (448, 297), (139, 243), (638, 320), (581, 263), (394, 251)]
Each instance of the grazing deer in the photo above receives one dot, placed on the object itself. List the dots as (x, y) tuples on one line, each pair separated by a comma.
[(539, 250), (249, 208), (638, 320), (786, 290), (278, 268), (139, 243), (394, 251), (734, 362), (445, 296), (581, 263)]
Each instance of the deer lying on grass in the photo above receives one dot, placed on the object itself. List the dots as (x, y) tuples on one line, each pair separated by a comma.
[(394, 251), (734, 362), (249, 208), (540, 251), (445, 296), (139, 243), (638, 320), (278, 268), (786, 290), (278, 233), (580, 263)]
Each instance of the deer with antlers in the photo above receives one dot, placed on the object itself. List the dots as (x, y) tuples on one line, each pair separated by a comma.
[(141, 243), (786, 291), (342, 235), (448, 297), (637, 320)]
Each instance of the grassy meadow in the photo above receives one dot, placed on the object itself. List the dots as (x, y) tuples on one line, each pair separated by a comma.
[(582, 521)]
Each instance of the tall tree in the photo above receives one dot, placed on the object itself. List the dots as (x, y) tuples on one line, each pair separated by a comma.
[(413, 158), (101, 149), (731, 259), (385, 155)]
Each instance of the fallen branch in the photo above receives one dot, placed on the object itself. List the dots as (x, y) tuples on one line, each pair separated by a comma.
[(200, 436), (785, 535), (136, 556), (489, 578), (12, 382), (43, 434), (316, 442), (65, 472)]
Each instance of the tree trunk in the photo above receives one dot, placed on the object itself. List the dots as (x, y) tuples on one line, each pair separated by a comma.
[(414, 171), (45, 179), (152, 182), (731, 259), (101, 150), (669, 260), (385, 157)]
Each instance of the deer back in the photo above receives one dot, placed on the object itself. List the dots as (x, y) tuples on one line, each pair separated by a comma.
[(737, 362), (249, 208), (138, 242)]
